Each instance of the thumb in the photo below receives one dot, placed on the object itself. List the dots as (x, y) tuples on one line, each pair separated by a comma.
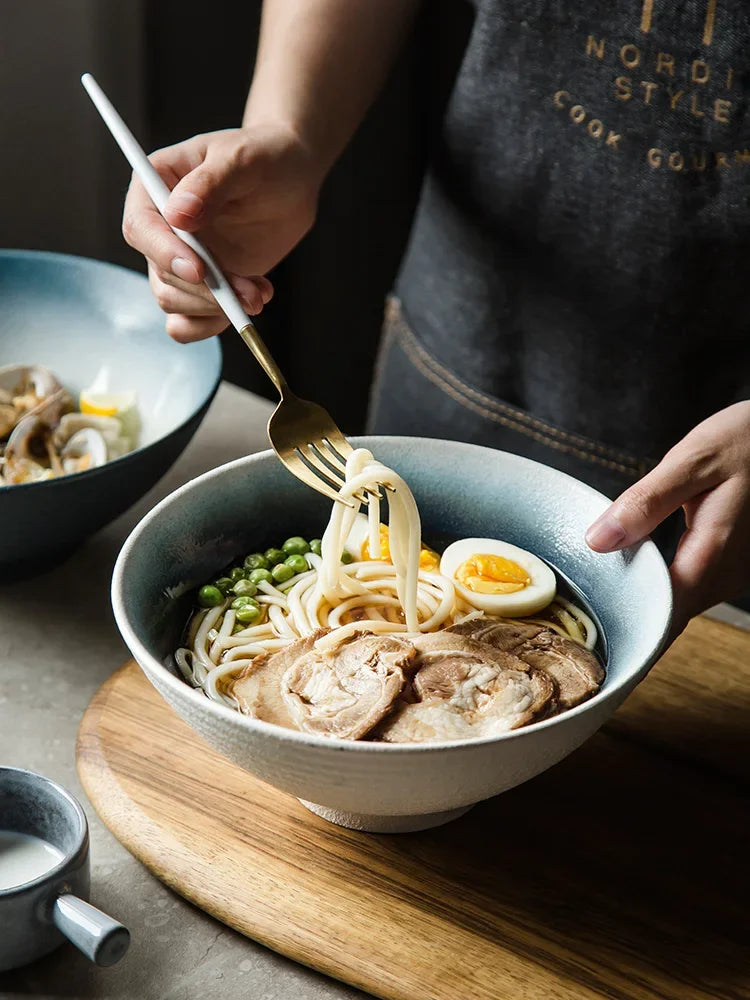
[(202, 193), (636, 512)]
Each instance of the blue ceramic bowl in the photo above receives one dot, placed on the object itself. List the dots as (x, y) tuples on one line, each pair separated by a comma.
[(75, 316), (462, 490)]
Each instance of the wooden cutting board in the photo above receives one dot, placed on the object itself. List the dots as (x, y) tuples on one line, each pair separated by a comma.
[(622, 872)]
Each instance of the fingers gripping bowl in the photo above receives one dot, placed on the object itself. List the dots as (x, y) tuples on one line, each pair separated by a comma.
[(461, 491)]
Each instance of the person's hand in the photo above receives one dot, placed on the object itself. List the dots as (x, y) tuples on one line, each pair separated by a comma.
[(250, 195), (707, 473)]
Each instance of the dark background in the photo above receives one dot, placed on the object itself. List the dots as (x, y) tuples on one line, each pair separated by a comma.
[(174, 69)]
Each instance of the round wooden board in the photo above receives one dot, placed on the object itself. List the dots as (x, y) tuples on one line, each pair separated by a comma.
[(590, 881)]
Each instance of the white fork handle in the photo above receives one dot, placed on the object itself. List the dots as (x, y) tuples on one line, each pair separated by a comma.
[(159, 193)]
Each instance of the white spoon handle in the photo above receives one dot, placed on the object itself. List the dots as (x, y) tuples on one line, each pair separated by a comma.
[(100, 938), (159, 193)]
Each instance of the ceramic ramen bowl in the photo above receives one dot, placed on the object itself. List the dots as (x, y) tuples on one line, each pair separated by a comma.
[(80, 318), (462, 490)]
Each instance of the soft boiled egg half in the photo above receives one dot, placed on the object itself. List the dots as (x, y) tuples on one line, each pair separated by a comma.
[(497, 577)]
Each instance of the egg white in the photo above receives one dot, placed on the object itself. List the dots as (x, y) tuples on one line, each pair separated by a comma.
[(532, 598)]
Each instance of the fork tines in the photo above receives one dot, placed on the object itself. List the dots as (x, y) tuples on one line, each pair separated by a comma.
[(328, 462), (322, 464)]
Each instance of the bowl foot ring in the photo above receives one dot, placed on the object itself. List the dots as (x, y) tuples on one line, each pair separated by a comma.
[(384, 824)]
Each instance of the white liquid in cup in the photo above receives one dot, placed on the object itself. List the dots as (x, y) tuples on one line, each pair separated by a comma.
[(24, 858)]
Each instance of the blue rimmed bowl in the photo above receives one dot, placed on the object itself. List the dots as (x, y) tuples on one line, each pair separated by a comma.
[(75, 316), (462, 490)]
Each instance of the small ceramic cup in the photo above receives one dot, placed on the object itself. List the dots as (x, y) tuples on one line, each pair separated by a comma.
[(37, 916)]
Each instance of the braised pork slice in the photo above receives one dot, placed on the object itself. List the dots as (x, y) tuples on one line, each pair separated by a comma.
[(467, 689), (257, 687), (576, 671), (441, 661), (345, 691), (502, 633)]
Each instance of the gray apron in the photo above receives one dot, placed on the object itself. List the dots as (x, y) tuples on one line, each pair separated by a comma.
[(576, 286)]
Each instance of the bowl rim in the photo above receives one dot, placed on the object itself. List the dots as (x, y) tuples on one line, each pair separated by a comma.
[(295, 737), (61, 481)]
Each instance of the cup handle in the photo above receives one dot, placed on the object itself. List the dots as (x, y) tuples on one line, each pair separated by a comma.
[(98, 936)]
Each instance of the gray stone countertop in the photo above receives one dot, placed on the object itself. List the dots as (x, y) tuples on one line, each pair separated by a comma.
[(58, 643)]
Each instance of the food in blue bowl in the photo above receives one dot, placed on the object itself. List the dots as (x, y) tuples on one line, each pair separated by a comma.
[(96, 402), (46, 433)]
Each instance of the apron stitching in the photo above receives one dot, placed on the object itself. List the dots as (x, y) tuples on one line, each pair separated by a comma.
[(464, 394), (512, 424)]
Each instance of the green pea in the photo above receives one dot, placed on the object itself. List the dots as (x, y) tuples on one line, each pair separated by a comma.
[(316, 546), (236, 573), (238, 627), (224, 583), (256, 561), (260, 576), (298, 563), (295, 546), (281, 572), (244, 588), (210, 596), (346, 558), (275, 556), (243, 602), (247, 614)]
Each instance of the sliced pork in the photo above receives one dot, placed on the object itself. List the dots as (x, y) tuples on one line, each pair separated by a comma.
[(576, 671), (346, 691), (467, 689), (481, 678), (502, 633), (257, 688)]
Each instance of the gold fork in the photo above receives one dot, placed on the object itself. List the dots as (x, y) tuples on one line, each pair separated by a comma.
[(302, 434)]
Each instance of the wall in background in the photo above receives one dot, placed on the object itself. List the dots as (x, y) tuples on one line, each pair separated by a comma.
[(61, 177)]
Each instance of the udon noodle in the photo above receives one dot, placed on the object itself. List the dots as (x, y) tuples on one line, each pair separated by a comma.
[(368, 596)]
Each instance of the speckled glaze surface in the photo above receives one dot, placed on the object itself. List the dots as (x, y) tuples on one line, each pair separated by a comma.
[(76, 316), (462, 490), (32, 804)]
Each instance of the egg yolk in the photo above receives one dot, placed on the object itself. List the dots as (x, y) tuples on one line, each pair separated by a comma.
[(488, 574), (428, 559)]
